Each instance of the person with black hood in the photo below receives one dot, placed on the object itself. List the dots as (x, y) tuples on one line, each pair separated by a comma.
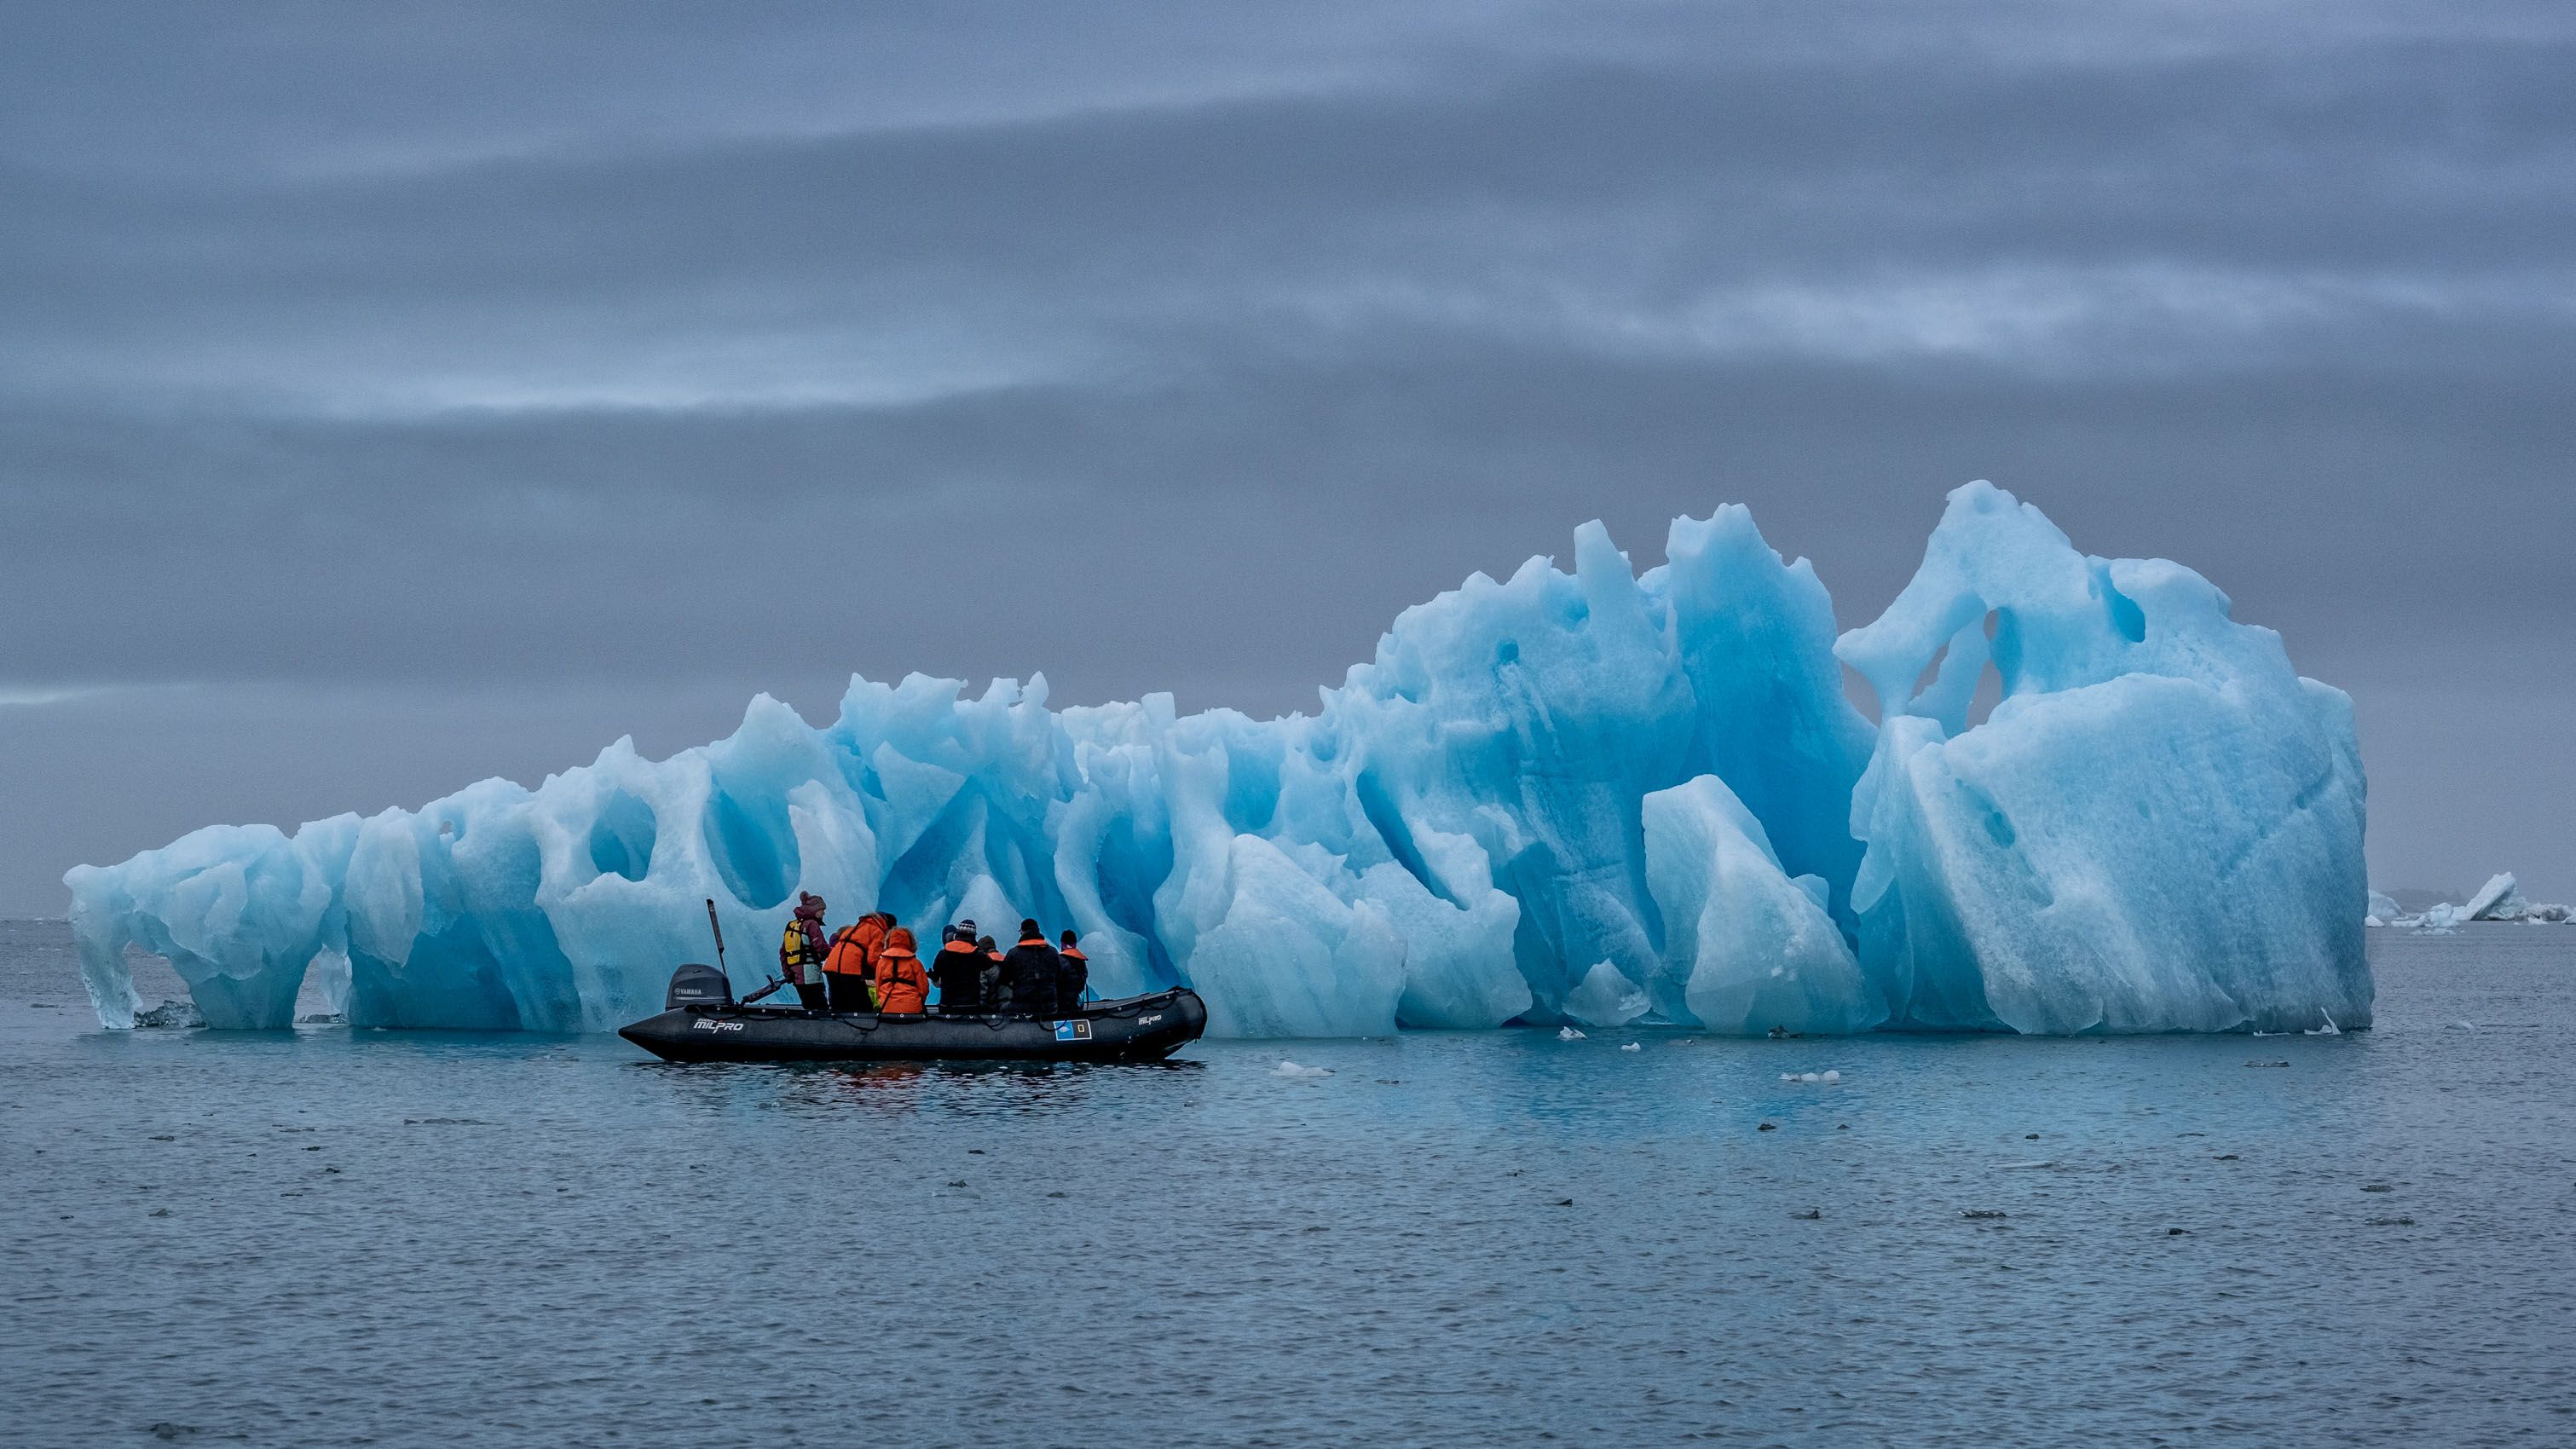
[(1029, 972), (959, 969), (1072, 977), (992, 987)]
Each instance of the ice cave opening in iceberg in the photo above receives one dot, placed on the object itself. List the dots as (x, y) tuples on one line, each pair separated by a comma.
[(1567, 797)]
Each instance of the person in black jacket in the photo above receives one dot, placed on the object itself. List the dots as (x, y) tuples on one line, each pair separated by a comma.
[(958, 968), (996, 998), (1072, 977), (1029, 973)]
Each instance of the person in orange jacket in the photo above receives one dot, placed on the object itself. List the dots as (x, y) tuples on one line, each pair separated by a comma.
[(901, 988), (853, 960)]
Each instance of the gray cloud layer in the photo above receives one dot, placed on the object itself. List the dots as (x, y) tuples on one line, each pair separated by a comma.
[(389, 397)]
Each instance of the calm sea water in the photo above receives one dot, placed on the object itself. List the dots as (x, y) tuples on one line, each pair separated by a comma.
[(332, 1237)]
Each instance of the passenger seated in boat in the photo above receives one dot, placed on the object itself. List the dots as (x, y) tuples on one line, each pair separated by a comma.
[(989, 985), (902, 989), (1030, 971), (959, 969), (1073, 976)]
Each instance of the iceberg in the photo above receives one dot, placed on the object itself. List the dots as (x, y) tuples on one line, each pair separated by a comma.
[(2159, 828), (2500, 899), (1585, 796), (2381, 910)]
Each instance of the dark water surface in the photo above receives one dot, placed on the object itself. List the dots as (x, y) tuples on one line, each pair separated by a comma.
[(336, 1237)]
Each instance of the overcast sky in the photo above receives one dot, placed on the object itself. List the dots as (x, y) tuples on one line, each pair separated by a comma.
[(393, 396)]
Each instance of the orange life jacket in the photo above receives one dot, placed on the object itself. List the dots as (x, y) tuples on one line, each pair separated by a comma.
[(854, 949), (901, 988)]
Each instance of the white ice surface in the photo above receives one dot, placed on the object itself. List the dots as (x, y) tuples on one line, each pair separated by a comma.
[(2500, 899)]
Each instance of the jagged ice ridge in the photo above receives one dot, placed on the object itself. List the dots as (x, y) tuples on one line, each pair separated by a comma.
[(1589, 797)]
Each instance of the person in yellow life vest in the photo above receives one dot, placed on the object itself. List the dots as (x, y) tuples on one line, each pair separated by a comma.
[(902, 989), (801, 951), (853, 959)]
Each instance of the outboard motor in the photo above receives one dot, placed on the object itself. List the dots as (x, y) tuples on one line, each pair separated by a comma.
[(698, 985)]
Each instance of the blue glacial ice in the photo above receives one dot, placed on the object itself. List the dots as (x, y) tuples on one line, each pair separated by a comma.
[(2158, 829), (1590, 797)]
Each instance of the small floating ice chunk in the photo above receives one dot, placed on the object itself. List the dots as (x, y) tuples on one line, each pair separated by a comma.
[(1567, 1033), (173, 1014), (1606, 998), (1287, 1068), (1633, 1047), (2441, 920), (1832, 1076)]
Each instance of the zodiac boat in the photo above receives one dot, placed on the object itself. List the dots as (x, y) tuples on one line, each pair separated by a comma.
[(702, 1022)]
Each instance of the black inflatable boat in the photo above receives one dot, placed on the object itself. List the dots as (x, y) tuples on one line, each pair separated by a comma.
[(703, 1023)]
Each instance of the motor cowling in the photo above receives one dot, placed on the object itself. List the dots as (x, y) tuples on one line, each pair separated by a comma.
[(697, 984)]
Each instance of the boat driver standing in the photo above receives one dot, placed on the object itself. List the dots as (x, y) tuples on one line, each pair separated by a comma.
[(801, 952)]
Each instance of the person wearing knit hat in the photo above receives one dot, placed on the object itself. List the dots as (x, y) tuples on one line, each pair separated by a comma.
[(802, 950)]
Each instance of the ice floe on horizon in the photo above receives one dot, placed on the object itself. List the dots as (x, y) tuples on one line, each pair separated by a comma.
[(2499, 900)]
